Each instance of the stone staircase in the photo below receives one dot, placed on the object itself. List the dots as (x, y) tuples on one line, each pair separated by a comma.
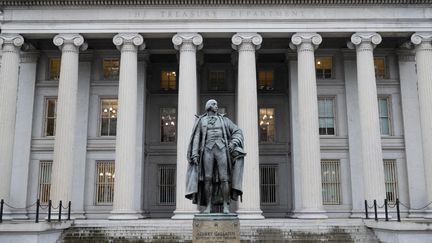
[(268, 230)]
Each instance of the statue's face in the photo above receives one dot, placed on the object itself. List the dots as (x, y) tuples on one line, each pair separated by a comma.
[(213, 106)]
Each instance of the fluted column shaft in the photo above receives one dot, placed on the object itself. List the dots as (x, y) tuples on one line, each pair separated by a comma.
[(373, 166), (125, 160), (423, 50), (247, 114), (187, 44), (63, 164), (11, 44), (310, 158)]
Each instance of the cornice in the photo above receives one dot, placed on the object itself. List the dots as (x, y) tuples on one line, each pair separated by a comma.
[(12, 3)]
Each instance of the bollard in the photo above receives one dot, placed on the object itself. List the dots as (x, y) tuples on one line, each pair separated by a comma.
[(37, 210), (397, 210), (366, 209), (49, 210), (1, 210), (60, 209), (375, 209), (69, 210), (386, 210)]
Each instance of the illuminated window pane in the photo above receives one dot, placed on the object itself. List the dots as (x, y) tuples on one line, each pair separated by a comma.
[(267, 124), (111, 68), (379, 63), (390, 179), (54, 68), (269, 184), (168, 124), (44, 188), (167, 184), (330, 179), (168, 80), (216, 80), (105, 176), (326, 116), (384, 115), (108, 117), (323, 67), (50, 116), (265, 80)]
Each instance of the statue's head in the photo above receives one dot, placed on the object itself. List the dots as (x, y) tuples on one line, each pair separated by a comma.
[(211, 105)]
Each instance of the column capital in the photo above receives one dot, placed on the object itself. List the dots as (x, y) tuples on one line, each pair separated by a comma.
[(129, 41), (70, 42), (364, 41), (305, 41), (246, 41), (422, 40), (187, 41), (11, 42)]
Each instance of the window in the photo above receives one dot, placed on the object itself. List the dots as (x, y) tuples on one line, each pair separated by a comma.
[(54, 68), (111, 68), (168, 124), (167, 184), (267, 124), (50, 116), (45, 168), (269, 184), (323, 67), (384, 115), (390, 178), (216, 80), (326, 115), (168, 80), (380, 71), (105, 176), (330, 177), (265, 80), (108, 117)]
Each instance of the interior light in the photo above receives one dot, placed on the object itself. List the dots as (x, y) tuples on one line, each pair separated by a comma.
[(105, 110)]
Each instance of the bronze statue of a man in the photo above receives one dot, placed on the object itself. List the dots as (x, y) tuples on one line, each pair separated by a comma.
[(216, 158)]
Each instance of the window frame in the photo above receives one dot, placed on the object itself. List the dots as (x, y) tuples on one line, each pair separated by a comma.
[(337, 183), (45, 116), (168, 70), (49, 78), (276, 185), (223, 87), (385, 75), (160, 125), (100, 115), (334, 98), (274, 124), (389, 115), (49, 163), (159, 184), (395, 183), (273, 82), (332, 72), (97, 202), (111, 58)]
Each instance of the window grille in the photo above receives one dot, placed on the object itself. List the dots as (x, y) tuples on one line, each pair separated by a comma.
[(390, 178), (168, 80), (384, 115), (326, 115), (45, 168), (330, 177), (108, 117), (111, 68), (105, 176), (269, 184), (167, 184), (267, 124), (380, 70), (323, 67), (265, 80), (50, 116), (54, 68), (168, 124), (217, 80)]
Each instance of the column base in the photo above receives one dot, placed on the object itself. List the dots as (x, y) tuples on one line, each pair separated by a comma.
[(125, 215), (311, 214), (428, 214), (19, 215), (7, 216), (416, 214), (184, 214), (250, 214), (357, 214)]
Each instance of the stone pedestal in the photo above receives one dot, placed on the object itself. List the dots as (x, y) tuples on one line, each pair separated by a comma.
[(216, 227)]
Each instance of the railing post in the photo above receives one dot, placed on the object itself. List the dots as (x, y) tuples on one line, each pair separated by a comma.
[(69, 210), (1, 210), (60, 209), (375, 210), (37, 210), (366, 209), (49, 210), (386, 210), (397, 210)]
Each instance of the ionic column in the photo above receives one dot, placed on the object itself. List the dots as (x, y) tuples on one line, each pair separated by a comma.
[(247, 115), (423, 50), (11, 44), (309, 147), (64, 160), (187, 44), (370, 136), (125, 160)]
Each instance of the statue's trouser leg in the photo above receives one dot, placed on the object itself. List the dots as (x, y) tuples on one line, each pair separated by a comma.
[(208, 179), (222, 163)]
